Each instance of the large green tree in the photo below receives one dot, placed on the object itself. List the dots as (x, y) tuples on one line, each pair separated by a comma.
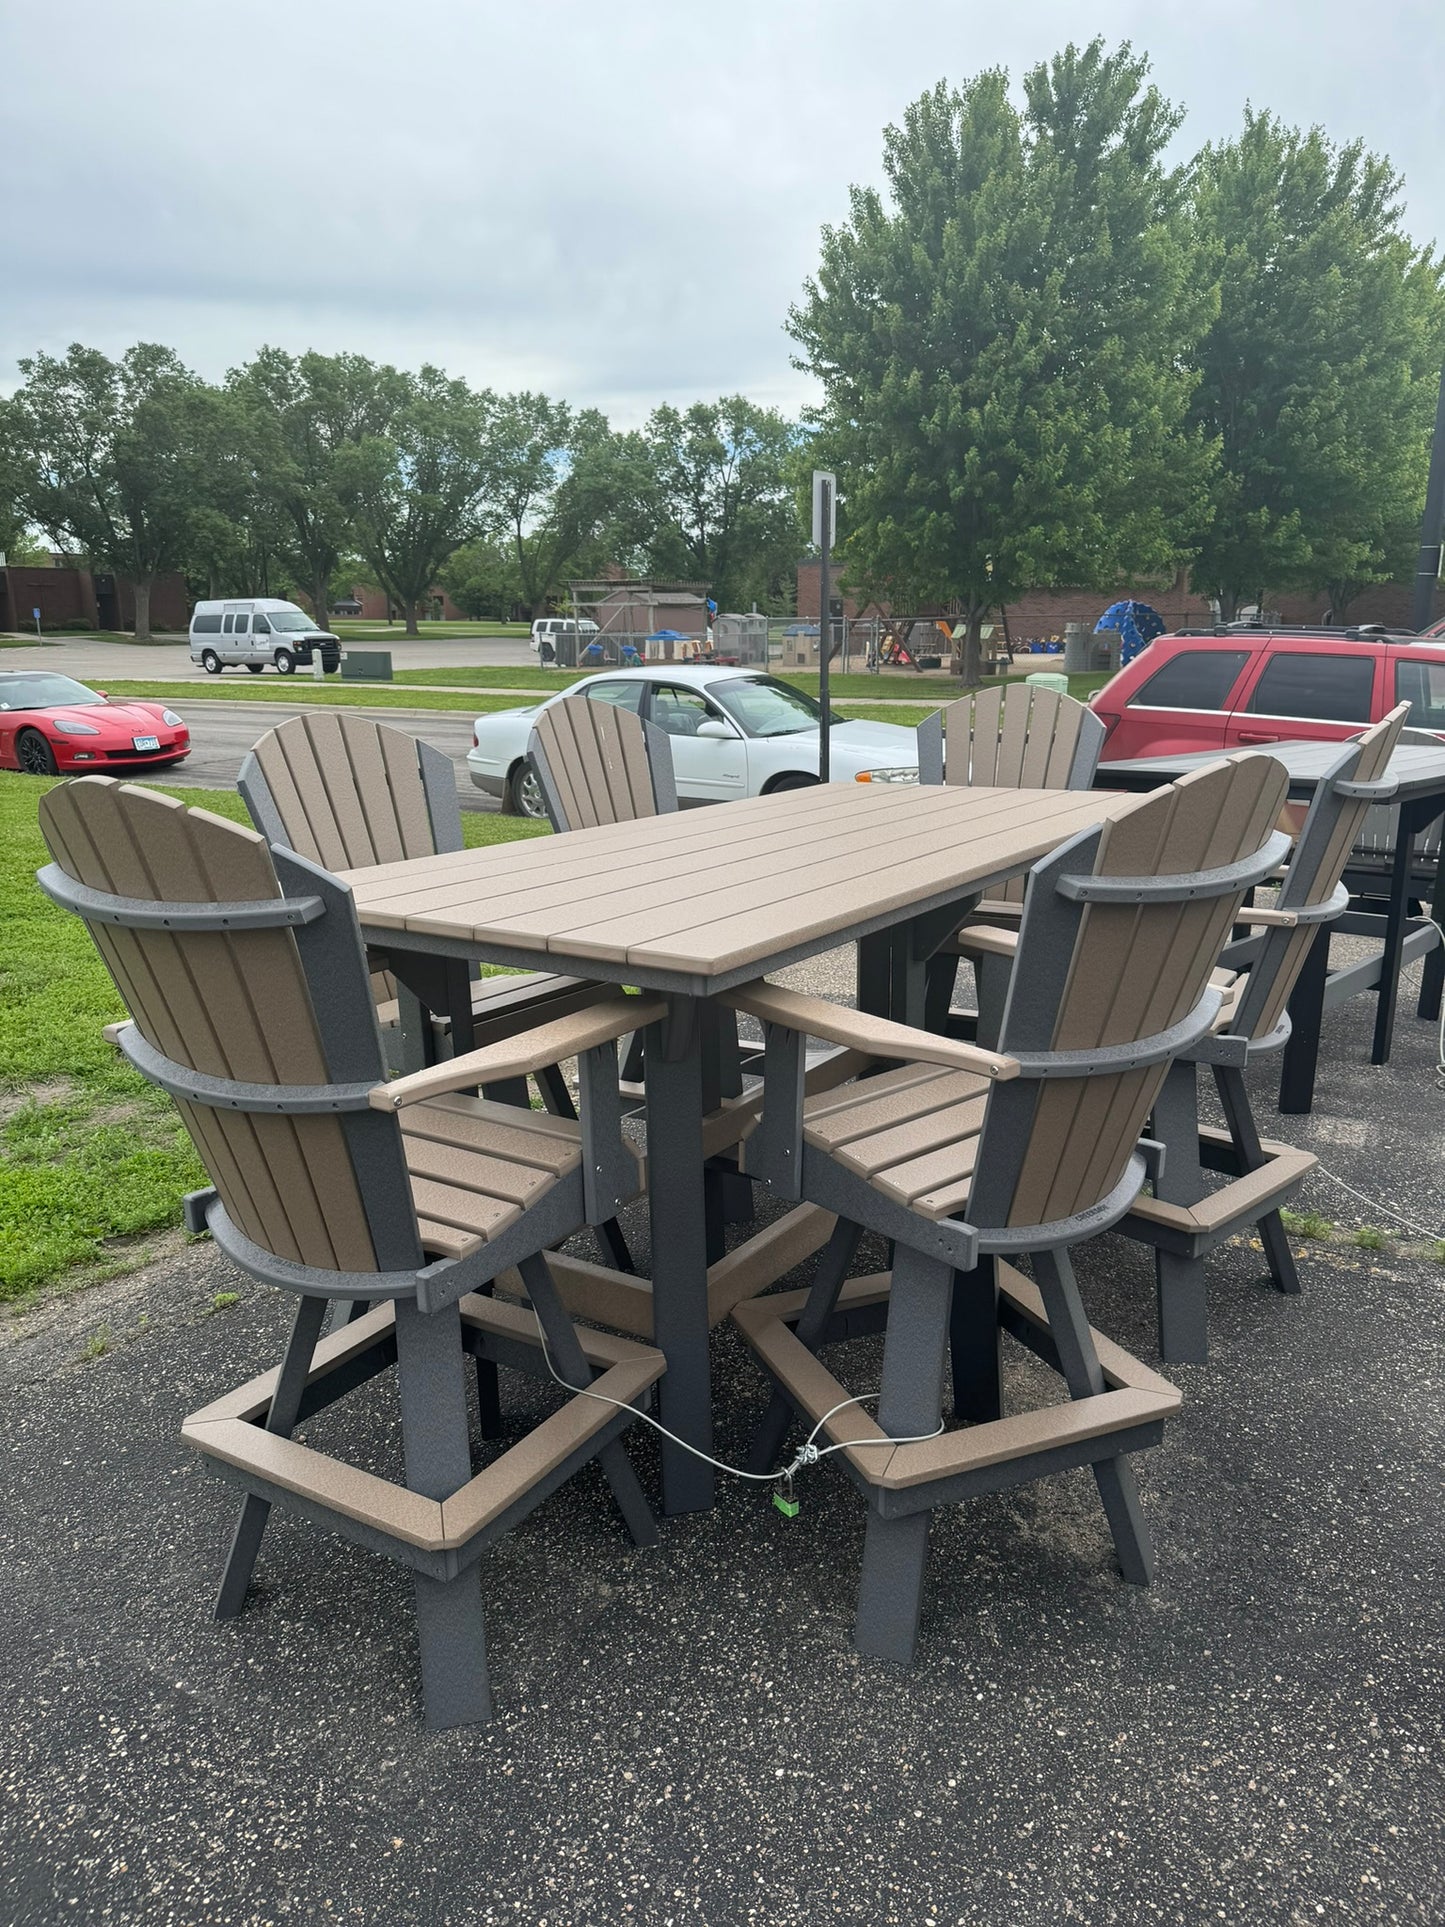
[(301, 416), (563, 487), (111, 458), (418, 491), (1004, 342), (1320, 369), (723, 499)]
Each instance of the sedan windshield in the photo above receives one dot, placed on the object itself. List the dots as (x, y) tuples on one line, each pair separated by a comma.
[(44, 692), (288, 619), (764, 707)]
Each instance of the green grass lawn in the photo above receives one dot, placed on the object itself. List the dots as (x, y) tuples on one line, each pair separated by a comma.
[(92, 1158), (360, 631), (298, 690)]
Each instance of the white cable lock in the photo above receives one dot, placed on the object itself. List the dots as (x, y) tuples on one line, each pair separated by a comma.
[(807, 1454)]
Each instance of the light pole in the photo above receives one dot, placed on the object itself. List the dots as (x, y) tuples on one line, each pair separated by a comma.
[(1432, 527), (825, 488)]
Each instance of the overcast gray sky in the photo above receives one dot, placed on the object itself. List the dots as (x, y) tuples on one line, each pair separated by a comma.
[(614, 201)]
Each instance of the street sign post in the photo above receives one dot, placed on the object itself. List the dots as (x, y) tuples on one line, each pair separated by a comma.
[(36, 614), (825, 492)]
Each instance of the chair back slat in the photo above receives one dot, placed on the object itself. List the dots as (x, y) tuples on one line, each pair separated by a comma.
[(594, 762), (1330, 833), (346, 792), (230, 1003), (1094, 976)]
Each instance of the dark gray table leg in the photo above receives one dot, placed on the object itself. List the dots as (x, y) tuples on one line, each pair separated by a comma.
[(1394, 938), (676, 1210), (1306, 1012)]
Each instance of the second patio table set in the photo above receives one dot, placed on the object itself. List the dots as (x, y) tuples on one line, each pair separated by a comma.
[(689, 906), (1417, 771)]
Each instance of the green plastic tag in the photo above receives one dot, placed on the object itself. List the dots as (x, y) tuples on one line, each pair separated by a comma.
[(788, 1507)]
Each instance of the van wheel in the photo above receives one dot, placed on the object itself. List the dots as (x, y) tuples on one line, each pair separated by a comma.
[(255, 667), (210, 662), (285, 663), (794, 781)]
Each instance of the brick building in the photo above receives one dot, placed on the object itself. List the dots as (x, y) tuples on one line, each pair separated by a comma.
[(1044, 612), (373, 606), (67, 594)]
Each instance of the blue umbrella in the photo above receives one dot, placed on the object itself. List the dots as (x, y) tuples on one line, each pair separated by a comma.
[(1137, 624), (667, 635)]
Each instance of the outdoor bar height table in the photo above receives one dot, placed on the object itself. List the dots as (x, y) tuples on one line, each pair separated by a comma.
[(697, 903), (1418, 771)]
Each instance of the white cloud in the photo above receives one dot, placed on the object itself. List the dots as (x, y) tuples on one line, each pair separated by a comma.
[(612, 201)]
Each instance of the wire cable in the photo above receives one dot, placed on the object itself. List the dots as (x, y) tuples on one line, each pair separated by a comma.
[(807, 1454)]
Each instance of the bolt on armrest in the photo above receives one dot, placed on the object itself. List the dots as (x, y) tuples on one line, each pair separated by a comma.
[(878, 1036), (531, 1050)]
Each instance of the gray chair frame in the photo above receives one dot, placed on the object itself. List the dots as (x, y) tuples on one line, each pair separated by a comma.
[(343, 1197), (1058, 1159)]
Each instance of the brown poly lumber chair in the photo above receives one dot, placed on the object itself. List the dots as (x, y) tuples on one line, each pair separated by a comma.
[(1037, 739), (1188, 1215), (968, 1158), (251, 1003), (349, 793)]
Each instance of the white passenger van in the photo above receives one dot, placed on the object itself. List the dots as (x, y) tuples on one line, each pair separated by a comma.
[(255, 630)]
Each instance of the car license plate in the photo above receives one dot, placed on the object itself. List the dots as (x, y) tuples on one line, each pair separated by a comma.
[(146, 742)]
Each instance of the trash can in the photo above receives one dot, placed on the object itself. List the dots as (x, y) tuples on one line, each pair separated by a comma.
[(1049, 679), (366, 665), (1076, 648)]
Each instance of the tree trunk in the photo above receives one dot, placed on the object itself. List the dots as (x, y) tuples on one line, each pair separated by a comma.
[(320, 584), (1228, 600), (143, 608), (968, 661), (411, 628)]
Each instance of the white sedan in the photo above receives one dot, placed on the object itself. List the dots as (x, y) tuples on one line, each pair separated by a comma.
[(733, 732)]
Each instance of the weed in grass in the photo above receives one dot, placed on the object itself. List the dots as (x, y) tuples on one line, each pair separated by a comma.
[(1437, 1251), (1369, 1237), (1308, 1224), (224, 1300), (98, 1344)]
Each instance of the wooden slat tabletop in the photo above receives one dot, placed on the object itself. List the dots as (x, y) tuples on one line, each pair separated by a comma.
[(704, 893)]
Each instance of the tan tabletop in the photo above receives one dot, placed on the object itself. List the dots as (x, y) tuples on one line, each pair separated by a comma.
[(705, 898)]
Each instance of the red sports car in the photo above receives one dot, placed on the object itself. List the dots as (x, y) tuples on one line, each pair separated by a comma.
[(53, 725)]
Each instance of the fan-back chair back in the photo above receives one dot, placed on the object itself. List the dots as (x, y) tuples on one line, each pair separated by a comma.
[(598, 763), (250, 1002)]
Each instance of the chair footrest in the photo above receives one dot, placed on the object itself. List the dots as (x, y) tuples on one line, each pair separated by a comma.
[(1240, 1202), (1136, 1396), (231, 1431)]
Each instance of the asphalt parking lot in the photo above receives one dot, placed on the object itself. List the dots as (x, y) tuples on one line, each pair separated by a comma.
[(686, 1735)]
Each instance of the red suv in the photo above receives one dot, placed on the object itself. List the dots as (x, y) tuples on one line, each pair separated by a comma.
[(1230, 688)]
